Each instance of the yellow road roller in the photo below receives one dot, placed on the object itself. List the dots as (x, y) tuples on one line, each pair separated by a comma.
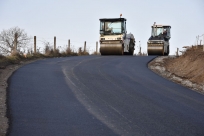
[(158, 43), (114, 39)]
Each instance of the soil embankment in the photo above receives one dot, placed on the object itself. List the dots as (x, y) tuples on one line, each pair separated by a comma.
[(187, 69)]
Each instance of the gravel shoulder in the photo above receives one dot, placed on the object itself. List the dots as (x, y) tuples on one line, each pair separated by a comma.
[(5, 73)]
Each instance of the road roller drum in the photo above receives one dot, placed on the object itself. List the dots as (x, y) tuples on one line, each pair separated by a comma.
[(111, 49)]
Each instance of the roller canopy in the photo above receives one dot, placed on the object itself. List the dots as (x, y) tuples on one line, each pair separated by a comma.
[(112, 19)]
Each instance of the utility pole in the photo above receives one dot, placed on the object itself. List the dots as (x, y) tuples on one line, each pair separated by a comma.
[(34, 44)]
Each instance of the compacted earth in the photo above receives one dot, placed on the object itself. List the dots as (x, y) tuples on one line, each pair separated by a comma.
[(187, 70)]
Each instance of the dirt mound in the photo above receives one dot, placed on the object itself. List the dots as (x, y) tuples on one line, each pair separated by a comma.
[(187, 69), (189, 66)]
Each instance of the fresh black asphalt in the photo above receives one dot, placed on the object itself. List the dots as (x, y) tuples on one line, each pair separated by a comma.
[(100, 95)]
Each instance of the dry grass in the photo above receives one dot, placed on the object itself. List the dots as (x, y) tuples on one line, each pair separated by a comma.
[(16, 58)]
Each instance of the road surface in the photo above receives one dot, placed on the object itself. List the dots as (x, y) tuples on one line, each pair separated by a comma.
[(100, 95)]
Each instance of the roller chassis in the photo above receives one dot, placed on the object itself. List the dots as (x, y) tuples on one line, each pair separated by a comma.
[(114, 39), (158, 43)]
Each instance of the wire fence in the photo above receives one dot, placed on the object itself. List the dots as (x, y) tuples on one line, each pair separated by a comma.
[(62, 45), (39, 44)]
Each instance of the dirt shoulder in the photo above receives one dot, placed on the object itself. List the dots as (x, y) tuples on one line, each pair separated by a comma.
[(5, 72), (187, 69)]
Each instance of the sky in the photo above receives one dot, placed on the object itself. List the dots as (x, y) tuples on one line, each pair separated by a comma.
[(78, 20)]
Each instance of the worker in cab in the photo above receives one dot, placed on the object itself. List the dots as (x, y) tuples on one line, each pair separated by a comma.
[(165, 33)]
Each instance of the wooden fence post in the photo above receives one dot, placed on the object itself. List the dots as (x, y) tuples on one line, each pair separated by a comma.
[(55, 43), (69, 44), (197, 42), (84, 46), (203, 42), (96, 47), (140, 51), (177, 52), (34, 44)]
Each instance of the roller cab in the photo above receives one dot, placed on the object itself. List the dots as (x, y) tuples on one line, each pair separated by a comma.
[(158, 43), (113, 37)]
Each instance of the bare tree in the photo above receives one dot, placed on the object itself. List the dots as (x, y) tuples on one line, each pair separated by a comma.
[(13, 40)]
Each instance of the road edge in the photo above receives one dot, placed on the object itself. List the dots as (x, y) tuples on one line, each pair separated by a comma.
[(4, 110)]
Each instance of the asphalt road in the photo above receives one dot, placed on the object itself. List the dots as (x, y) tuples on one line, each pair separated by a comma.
[(100, 95)]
